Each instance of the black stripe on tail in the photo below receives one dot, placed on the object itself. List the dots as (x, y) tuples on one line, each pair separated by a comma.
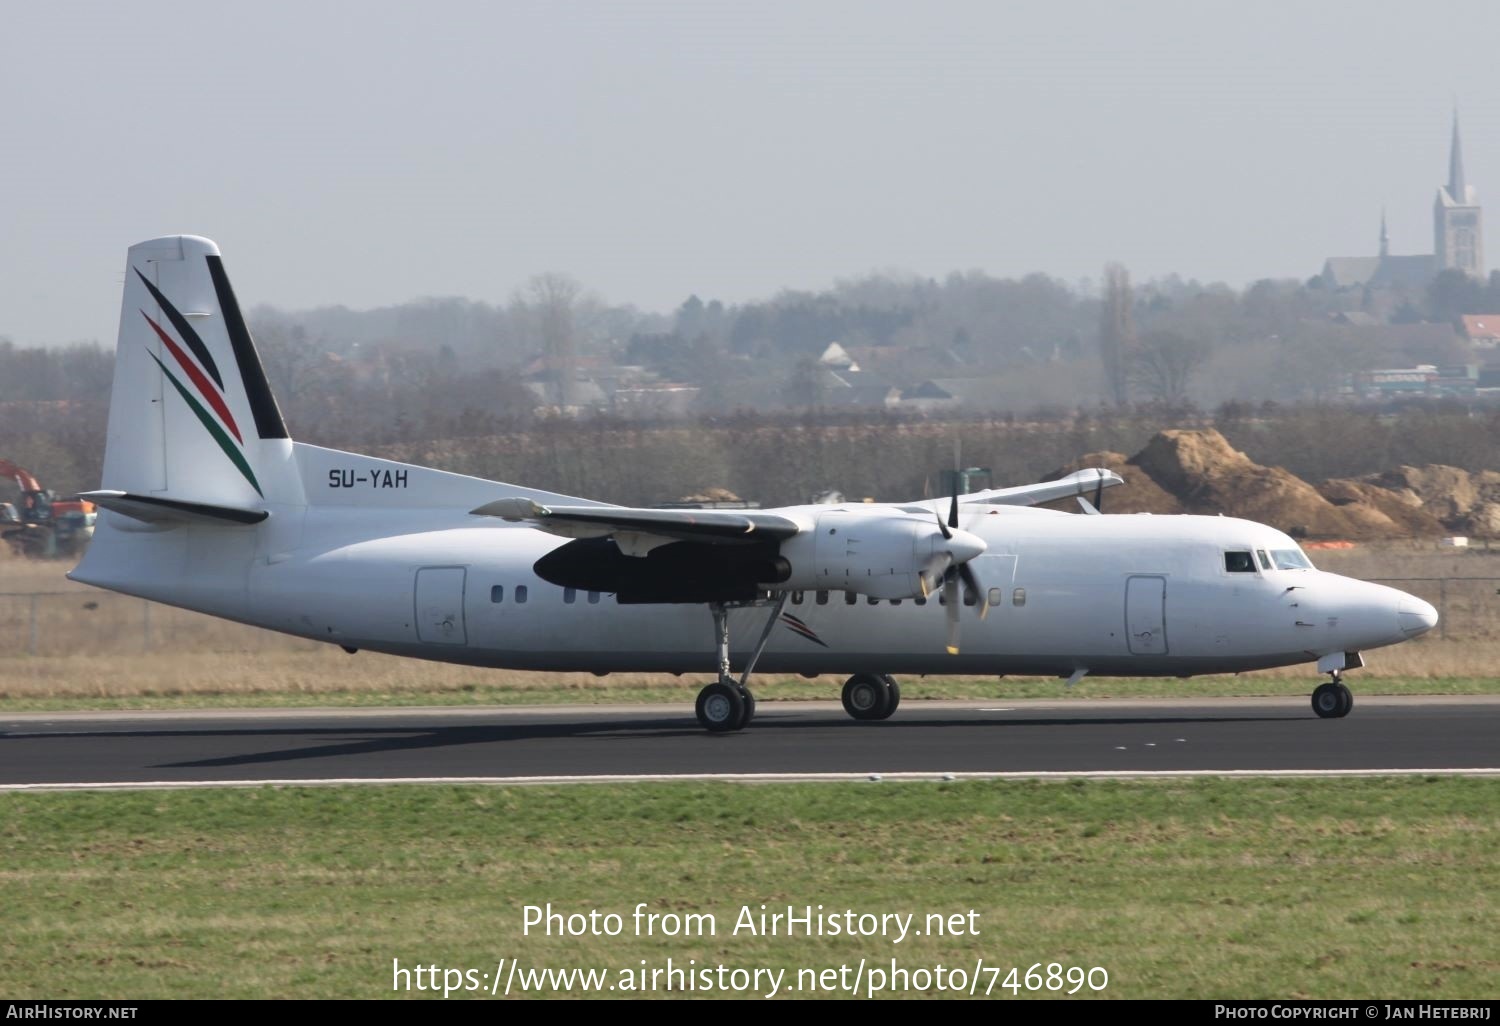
[(185, 330), (268, 423)]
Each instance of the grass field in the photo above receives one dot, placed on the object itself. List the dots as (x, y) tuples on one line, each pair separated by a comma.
[(73, 647), (1212, 888)]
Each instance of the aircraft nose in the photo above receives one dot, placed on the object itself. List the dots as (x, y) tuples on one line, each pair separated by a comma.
[(1416, 617), (965, 546)]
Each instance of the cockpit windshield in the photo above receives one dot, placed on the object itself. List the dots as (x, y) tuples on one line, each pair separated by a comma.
[(1290, 559)]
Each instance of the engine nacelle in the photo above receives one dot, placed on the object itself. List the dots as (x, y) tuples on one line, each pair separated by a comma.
[(879, 552)]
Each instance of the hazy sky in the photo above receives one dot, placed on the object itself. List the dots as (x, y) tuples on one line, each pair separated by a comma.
[(369, 153)]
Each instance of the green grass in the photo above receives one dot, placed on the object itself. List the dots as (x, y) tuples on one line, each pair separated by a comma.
[(1212, 888), (603, 692)]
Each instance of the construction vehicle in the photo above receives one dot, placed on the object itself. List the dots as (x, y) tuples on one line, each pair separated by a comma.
[(43, 524)]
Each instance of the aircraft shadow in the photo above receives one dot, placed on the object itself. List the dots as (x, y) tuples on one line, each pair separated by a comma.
[(359, 741)]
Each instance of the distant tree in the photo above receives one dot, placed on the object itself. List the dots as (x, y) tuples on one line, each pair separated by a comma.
[(1453, 294), (1163, 364), (1117, 332), (552, 298)]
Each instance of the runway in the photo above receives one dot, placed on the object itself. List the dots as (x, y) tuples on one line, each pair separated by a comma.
[(813, 740)]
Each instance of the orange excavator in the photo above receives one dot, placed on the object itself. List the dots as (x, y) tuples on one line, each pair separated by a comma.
[(43, 524)]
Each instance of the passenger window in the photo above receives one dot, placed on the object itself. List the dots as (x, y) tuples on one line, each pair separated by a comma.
[(1265, 560), (920, 600), (1018, 597), (520, 593), (850, 598), (569, 594), (593, 598), (822, 598), (796, 598), (970, 599), (895, 602), (497, 593), (1239, 563), (995, 596), (872, 600)]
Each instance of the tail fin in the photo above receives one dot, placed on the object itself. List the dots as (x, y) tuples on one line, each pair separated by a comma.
[(191, 417)]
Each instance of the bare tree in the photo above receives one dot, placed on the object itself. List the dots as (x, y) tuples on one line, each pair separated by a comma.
[(1164, 362), (1117, 332), (552, 298)]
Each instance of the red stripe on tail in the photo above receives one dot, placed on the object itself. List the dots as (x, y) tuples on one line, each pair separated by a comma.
[(199, 379)]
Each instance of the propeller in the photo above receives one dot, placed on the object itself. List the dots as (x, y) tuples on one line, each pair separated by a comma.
[(945, 566)]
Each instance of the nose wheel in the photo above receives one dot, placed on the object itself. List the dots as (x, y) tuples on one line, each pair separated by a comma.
[(1333, 700)]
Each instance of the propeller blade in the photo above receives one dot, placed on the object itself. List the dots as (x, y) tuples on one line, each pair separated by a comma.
[(950, 606), (971, 581), (931, 575), (1099, 494), (953, 508), (947, 534)]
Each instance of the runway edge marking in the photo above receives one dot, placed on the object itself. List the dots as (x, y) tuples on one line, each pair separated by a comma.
[(873, 776)]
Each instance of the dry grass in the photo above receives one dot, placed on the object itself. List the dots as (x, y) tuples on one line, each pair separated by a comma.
[(90, 646)]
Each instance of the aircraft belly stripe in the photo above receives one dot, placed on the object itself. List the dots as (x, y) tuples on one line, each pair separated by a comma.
[(235, 456), (207, 390)]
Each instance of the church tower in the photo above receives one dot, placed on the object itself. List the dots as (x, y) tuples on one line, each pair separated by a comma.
[(1457, 227)]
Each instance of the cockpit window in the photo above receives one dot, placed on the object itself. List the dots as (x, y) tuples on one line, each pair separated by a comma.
[(1290, 559), (1239, 563), (1265, 560)]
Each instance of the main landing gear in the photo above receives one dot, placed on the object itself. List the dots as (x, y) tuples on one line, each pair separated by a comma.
[(727, 704), (870, 696), (1332, 700)]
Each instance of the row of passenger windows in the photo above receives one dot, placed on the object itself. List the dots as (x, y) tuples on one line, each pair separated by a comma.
[(994, 597), (519, 595)]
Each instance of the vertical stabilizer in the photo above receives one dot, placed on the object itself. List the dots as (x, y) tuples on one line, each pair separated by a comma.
[(191, 417)]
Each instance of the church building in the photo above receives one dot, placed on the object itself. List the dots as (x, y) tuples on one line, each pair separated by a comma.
[(1458, 240)]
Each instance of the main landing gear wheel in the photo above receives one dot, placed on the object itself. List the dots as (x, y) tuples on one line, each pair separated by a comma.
[(868, 696), (721, 707), (892, 695), (1332, 700), (749, 701)]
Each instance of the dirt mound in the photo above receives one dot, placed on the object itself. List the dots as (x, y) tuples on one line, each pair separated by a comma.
[(1186, 471), (1447, 493), (715, 494), (1139, 494), (1208, 475), (1404, 507)]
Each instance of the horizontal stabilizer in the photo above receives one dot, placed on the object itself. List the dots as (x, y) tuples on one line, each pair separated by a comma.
[(152, 510)]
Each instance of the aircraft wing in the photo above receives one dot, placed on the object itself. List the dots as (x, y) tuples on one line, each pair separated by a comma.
[(1081, 482), (637, 531)]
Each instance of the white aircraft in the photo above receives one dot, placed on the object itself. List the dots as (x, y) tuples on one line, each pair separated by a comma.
[(211, 506)]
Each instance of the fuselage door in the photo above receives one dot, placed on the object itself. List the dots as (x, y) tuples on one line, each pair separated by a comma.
[(440, 605), (1146, 615)]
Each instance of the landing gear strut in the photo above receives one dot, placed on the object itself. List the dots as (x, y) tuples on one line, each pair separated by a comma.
[(870, 696), (727, 704), (1332, 700)]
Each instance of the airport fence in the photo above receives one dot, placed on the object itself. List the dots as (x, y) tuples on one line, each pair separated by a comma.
[(82, 622)]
